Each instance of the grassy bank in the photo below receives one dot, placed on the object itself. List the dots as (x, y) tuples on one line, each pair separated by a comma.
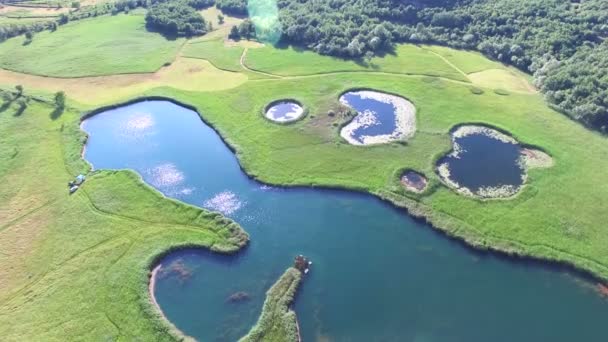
[(278, 323), (92, 249)]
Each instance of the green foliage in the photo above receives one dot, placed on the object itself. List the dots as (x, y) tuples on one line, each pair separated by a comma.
[(246, 29), (175, 18), (525, 34), (60, 99), (234, 33), (233, 7), (278, 323)]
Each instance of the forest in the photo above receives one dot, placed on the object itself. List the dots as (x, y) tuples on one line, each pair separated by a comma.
[(562, 43)]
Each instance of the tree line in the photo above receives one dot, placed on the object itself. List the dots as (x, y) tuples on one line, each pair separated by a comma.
[(560, 42)]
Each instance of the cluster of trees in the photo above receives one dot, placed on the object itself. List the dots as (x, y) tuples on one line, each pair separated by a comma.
[(176, 18), (233, 7), (559, 41), (245, 30)]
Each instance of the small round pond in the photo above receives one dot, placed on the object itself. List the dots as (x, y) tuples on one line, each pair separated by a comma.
[(284, 111), (378, 274), (487, 163), (414, 181), (382, 118)]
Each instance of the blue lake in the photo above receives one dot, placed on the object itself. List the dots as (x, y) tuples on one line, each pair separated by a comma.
[(378, 274), (485, 161)]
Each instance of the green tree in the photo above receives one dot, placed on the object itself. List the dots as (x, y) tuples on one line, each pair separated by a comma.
[(220, 19), (60, 99), (75, 4), (234, 33), (19, 89), (29, 36)]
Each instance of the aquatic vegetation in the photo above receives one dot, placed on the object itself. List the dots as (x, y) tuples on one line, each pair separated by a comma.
[(487, 163), (414, 181), (238, 297), (382, 118), (278, 322), (175, 269)]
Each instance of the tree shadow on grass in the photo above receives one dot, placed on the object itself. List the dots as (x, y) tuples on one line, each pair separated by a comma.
[(5, 106), (20, 111), (56, 113)]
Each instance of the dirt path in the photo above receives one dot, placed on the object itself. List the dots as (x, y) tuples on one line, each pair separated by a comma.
[(244, 66), (448, 63)]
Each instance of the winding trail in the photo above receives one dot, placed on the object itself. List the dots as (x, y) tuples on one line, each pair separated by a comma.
[(244, 66)]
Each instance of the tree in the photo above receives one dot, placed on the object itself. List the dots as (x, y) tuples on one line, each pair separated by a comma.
[(29, 35), (63, 19), (220, 19), (175, 18), (60, 100), (234, 33), (19, 89), (75, 5), (246, 29)]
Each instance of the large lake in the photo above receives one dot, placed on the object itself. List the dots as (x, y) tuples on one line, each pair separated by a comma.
[(378, 274)]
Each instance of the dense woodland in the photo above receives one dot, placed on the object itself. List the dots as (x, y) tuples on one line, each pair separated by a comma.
[(561, 42), (178, 18)]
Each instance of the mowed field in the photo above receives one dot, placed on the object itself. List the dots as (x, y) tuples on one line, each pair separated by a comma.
[(113, 45), (76, 267)]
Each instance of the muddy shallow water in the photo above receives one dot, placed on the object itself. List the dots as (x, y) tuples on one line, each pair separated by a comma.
[(378, 274)]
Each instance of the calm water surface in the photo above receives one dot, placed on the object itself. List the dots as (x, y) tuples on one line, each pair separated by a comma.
[(284, 111), (485, 162), (378, 275), (383, 112)]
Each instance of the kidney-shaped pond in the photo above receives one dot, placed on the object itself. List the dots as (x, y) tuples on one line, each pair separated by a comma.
[(487, 163), (378, 274), (381, 118)]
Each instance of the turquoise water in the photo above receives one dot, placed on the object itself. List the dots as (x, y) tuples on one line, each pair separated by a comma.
[(378, 274)]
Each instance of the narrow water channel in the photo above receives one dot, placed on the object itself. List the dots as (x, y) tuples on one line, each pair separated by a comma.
[(378, 274)]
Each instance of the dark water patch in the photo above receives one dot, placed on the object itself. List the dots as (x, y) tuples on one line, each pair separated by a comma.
[(378, 273), (414, 181), (381, 118), (484, 163), (284, 111)]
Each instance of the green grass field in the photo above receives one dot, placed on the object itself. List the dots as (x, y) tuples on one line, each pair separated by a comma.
[(76, 267), (217, 53), (102, 46), (408, 59)]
